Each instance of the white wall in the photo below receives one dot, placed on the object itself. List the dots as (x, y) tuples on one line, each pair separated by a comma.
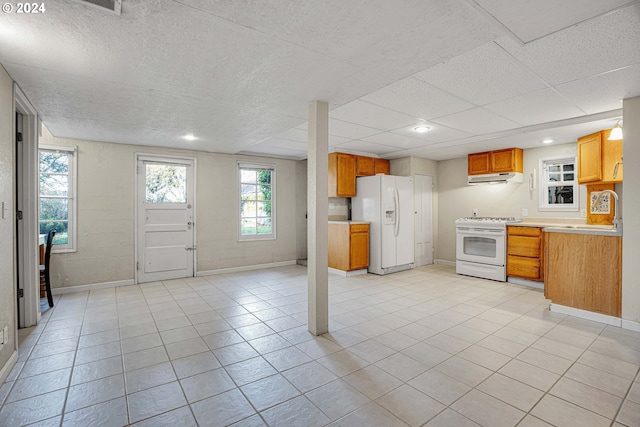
[(631, 212), (106, 213), (7, 242), (457, 198)]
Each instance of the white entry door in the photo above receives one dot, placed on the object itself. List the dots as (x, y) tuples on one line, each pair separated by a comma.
[(166, 218), (423, 188)]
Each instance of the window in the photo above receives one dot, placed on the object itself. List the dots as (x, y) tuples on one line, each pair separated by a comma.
[(57, 179), (559, 184), (165, 183), (257, 201)]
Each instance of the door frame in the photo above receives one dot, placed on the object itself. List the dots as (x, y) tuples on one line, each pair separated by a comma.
[(167, 159), (430, 213), (28, 256)]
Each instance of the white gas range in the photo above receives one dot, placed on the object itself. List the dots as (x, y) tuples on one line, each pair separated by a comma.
[(481, 247)]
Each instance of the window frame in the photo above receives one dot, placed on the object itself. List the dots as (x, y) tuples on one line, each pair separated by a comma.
[(72, 206), (256, 166), (543, 203)]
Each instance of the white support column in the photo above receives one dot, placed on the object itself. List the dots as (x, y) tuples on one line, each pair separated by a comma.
[(318, 211)]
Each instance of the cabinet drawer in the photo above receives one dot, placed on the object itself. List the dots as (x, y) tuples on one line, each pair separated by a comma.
[(524, 246), (527, 268), (359, 228), (524, 231)]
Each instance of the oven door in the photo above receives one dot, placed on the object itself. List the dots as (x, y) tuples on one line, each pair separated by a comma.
[(481, 245)]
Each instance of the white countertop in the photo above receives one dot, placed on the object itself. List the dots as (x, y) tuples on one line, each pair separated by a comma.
[(349, 222), (569, 225)]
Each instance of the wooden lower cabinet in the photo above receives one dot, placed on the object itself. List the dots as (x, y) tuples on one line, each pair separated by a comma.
[(584, 271), (348, 246), (525, 253)]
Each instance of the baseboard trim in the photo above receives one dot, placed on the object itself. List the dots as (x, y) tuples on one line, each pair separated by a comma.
[(525, 282), (630, 324), (6, 369), (584, 314), (91, 287), (444, 261), (245, 268), (348, 273)]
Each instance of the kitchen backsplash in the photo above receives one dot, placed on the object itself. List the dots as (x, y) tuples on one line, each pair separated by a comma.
[(338, 208)]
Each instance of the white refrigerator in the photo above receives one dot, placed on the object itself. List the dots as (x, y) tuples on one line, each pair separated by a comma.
[(386, 201)]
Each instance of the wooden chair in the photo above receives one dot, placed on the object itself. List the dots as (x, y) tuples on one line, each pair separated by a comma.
[(45, 270)]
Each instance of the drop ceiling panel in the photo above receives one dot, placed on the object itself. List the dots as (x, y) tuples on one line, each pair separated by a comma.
[(366, 147), (541, 106), (482, 76), (396, 140), (604, 91), (371, 115), (275, 152), (438, 133), (350, 130), (283, 143), (477, 121), (417, 98), (373, 35), (593, 47), (530, 20)]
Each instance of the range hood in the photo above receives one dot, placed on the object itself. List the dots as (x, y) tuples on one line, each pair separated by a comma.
[(496, 178)]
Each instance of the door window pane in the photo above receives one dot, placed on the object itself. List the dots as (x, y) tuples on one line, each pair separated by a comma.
[(166, 183)]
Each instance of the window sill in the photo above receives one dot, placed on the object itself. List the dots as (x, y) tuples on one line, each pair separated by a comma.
[(256, 239)]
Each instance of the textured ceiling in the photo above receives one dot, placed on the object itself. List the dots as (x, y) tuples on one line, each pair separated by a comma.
[(239, 74)]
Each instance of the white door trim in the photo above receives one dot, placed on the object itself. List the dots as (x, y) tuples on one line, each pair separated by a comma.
[(166, 159), (29, 253)]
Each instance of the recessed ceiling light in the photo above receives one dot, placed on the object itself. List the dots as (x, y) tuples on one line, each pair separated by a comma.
[(422, 128), (547, 141), (190, 137)]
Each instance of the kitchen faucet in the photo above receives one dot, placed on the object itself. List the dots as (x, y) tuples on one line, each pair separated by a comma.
[(616, 224)]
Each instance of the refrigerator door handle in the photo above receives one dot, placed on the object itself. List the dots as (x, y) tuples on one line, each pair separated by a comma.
[(396, 201)]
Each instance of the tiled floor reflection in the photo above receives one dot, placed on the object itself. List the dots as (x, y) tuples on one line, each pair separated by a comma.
[(423, 347)]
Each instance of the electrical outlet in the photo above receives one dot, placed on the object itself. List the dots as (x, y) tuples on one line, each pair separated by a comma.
[(525, 212), (583, 213), (475, 211)]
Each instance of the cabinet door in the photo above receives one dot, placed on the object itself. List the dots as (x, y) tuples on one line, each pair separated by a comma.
[(509, 160), (478, 163), (382, 166), (590, 158), (359, 250), (342, 175), (365, 166)]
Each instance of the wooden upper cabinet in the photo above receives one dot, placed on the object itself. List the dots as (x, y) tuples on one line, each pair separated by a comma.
[(342, 175), (509, 160), (365, 166), (597, 159), (499, 161), (382, 166), (478, 163), (590, 158)]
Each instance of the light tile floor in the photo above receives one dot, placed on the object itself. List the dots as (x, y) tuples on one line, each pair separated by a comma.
[(423, 347)]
